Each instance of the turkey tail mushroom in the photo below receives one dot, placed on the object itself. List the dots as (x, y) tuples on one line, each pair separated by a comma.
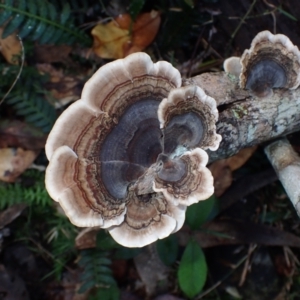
[(109, 166), (271, 62)]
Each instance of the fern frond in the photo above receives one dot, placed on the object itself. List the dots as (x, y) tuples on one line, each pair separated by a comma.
[(40, 21), (12, 193), (97, 271), (29, 100), (35, 108)]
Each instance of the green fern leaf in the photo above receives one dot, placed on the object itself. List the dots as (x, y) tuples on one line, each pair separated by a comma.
[(65, 14), (86, 286), (15, 22), (43, 22), (29, 101), (29, 24), (12, 193), (97, 271), (27, 28), (5, 14), (52, 12)]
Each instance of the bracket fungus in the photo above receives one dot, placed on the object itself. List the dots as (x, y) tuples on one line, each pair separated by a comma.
[(129, 155), (271, 62)]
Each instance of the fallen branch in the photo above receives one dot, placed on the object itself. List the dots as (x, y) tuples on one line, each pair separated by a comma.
[(286, 163), (246, 120)]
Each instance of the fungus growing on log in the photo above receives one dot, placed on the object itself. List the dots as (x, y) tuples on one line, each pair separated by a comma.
[(123, 159), (232, 65), (271, 62)]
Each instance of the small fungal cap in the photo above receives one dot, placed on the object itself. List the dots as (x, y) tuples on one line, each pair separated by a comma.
[(184, 180), (188, 119), (271, 62), (232, 65)]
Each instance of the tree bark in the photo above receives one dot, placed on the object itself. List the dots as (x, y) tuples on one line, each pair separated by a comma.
[(246, 120)]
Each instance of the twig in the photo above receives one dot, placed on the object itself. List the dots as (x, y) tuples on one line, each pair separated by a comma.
[(243, 20), (239, 263), (252, 247), (272, 13), (19, 73), (194, 54), (240, 24)]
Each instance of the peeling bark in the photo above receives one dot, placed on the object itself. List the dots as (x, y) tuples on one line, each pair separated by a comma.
[(246, 120)]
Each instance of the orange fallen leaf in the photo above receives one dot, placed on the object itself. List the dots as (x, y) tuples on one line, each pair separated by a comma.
[(10, 47), (223, 168), (236, 161), (14, 161), (122, 36), (222, 176)]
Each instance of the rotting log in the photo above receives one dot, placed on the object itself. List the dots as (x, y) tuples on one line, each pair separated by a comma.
[(246, 120)]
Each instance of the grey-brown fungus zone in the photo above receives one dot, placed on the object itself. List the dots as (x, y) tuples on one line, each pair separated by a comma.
[(124, 159), (271, 62)]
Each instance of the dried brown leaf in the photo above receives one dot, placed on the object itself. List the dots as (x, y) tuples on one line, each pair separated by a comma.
[(10, 47), (19, 134), (64, 88), (223, 168), (14, 161)]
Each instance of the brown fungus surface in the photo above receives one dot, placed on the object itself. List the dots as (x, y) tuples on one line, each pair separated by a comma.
[(113, 164), (271, 62)]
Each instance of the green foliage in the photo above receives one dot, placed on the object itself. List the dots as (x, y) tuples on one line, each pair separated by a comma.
[(32, 105), (97, 271), (12, 193), (168, 249), (199, 213), (41, 214), (28, 98), (61, 239), (135, 8), (192, 270), (109, 293), (290, 16), (40, 21)]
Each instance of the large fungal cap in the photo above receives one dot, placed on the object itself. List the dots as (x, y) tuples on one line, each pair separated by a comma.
[(271, 62), (108, 165)]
